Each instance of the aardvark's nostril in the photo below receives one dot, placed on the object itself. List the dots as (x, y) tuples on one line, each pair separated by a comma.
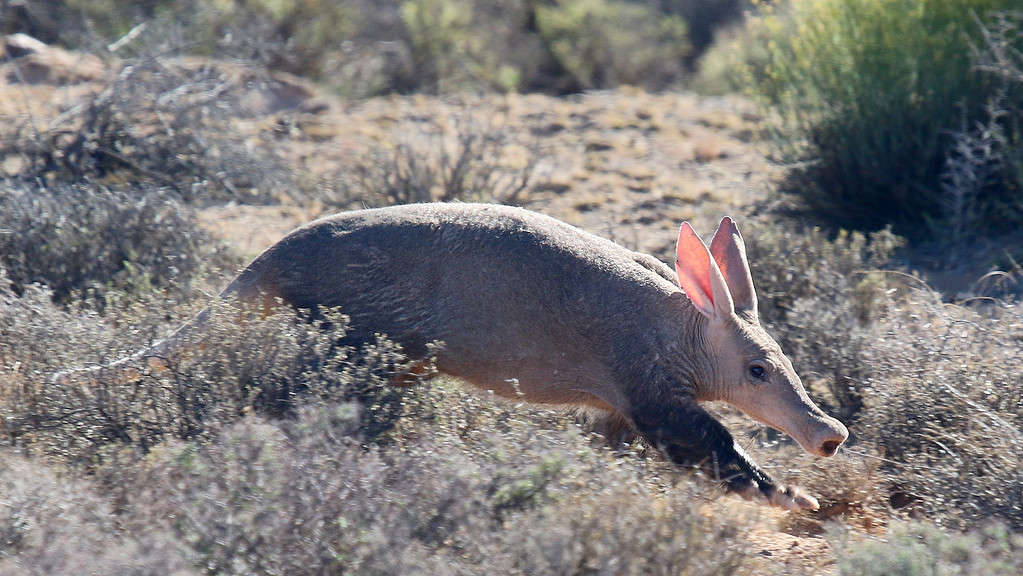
[(829, 447)]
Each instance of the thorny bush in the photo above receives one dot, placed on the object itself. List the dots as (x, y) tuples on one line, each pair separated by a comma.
[(84, 240), (931, 389), (463, 158), (215, 378), (160, 121)]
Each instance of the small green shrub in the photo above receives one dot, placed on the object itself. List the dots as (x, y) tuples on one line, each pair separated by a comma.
[(302, 37), (705, 18), (735, 61), (876, 97), (922, 549), (439, 34), (84, 240), (599, 43)]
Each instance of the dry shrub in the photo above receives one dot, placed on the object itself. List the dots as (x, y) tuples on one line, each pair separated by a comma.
[(922, 549), (944, 403), (519, 496), (282, 452), (159, 122), (193, 467), (934, 388), (215, 378), (807, 282), (84, 241), (54, 525), (468, 158)]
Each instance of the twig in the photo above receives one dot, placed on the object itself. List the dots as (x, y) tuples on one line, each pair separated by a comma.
[(129, 37)]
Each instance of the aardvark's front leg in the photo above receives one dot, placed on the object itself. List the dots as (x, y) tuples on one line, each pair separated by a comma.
[(689, 435)]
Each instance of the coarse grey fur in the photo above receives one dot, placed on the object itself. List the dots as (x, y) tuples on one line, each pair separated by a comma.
[(515, 296)]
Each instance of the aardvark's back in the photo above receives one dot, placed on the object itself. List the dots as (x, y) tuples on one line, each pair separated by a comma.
[(511, 294)]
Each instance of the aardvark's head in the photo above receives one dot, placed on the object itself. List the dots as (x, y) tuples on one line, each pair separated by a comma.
[(744, 365)]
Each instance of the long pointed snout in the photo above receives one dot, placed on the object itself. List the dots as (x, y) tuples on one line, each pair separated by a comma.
[(791, 411), (824, 437)]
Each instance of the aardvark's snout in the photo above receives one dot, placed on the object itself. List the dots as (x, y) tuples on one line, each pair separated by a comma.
[(818, 433), (827, 435), (790, 410)]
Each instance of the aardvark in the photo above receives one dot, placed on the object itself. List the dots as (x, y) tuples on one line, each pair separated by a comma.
[(525, 304)]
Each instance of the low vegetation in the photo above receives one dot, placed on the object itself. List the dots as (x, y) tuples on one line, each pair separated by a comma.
[(932, 387), (284, 451), (470, 158), (365, 48), (247, 447), (899, 113), (919, 548), (157, 121), (83, 241)]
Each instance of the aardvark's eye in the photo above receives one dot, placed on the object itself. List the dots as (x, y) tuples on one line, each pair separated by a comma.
[(758, 372)]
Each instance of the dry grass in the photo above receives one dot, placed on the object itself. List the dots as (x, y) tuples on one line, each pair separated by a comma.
[(468, 158)]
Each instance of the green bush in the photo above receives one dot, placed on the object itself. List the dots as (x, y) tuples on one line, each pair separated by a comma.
[(604, 43), (875, 98), (704, 18), (364, 48), (922, 549), (298, 36), (735, 61), (441, 43), (302, 37)]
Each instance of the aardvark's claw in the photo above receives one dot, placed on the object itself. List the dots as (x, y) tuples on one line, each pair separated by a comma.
[(793, 498)]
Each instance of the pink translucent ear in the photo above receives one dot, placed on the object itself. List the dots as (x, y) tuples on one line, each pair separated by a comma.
[(729, 252), (699, 276)]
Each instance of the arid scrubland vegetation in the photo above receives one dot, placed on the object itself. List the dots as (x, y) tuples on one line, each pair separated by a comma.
[(871, 149)]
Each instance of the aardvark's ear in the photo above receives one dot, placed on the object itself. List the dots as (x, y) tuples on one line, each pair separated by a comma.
[(729, 252), (699, 276)]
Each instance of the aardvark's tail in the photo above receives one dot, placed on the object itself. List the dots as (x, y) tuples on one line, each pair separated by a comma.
[(156, 358)]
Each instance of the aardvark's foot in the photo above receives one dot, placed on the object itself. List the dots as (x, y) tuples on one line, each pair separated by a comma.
[(793, 498), (787, 497)]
